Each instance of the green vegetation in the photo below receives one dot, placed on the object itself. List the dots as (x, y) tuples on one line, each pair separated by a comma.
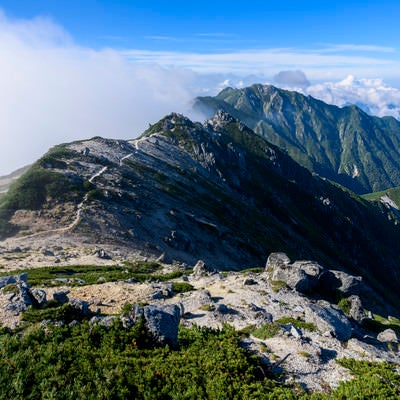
[(94, 362), (372, 381), (182, 287), (312, 138), (11, 288), (39, 185), (298, 323), (276, 286), (345, 305), (91, 274), (393, 194), (207, 307), (379, 324), (264, 331), (254, 270), (52, 311)]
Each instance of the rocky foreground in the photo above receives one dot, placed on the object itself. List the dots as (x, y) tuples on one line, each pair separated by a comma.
[(312, 315)]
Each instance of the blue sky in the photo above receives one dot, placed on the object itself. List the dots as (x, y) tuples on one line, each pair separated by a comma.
[(326, 38), (75, 69), (229, 24)]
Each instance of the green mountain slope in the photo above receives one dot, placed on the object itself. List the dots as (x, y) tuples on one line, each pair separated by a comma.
[(342, 144), (216, 191)]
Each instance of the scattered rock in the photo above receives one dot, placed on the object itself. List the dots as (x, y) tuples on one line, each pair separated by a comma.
[(131, 280), (80, 305), (163, 323), (249, 281), (101, 253), (201, 269), (301, 275), (388, 336), (295, 332), (179, 240), (61, 297), (348, 284), (38, 296), (196, 300), (7, 280), (357, 311), (22, 277), (106, 321)]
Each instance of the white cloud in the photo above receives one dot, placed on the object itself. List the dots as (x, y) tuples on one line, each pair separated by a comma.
[(321, 64), (53, 91), (372, 95)]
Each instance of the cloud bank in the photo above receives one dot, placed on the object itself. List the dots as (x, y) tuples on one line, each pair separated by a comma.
[(53, 91), (373, 96)]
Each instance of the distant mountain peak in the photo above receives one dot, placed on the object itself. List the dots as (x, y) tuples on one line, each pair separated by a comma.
[(326, 139)]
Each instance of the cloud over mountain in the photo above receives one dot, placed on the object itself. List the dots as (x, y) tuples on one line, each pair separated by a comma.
[(372, 95), (56, 91)]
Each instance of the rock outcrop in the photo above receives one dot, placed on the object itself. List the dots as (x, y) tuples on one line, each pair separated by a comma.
[(162, 321), (329, 320), (301, 276)]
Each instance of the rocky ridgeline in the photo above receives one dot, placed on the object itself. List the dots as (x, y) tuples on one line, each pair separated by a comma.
[(297, 299)]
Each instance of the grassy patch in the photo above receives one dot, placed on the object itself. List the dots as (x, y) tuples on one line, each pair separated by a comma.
[(63, 312), (254, 270), (90, 274), (345, 305), (264, 331), (276, 286), (298, 323), (379, 324), (207, 307), (11, 288)]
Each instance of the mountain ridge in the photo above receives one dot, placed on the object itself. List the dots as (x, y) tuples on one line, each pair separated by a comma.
[(214, 191), (343, 144)]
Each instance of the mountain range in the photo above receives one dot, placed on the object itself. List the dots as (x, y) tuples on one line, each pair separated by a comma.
[(215, 191), (345, 145)]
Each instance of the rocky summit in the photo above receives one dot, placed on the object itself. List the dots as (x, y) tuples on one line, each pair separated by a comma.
[(345, 145)]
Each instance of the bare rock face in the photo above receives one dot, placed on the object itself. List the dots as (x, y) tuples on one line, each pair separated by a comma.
[(161, 320), (348, 284), (61, 297), (301, 275), (80, 305), (201, 269), (329, 320), (357, 311), (163, 323)]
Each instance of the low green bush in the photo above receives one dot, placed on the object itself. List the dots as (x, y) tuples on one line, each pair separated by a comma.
[(298, 323), (345, 305), (182, 287), (65, 313), (264, 331), (93, 362)]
